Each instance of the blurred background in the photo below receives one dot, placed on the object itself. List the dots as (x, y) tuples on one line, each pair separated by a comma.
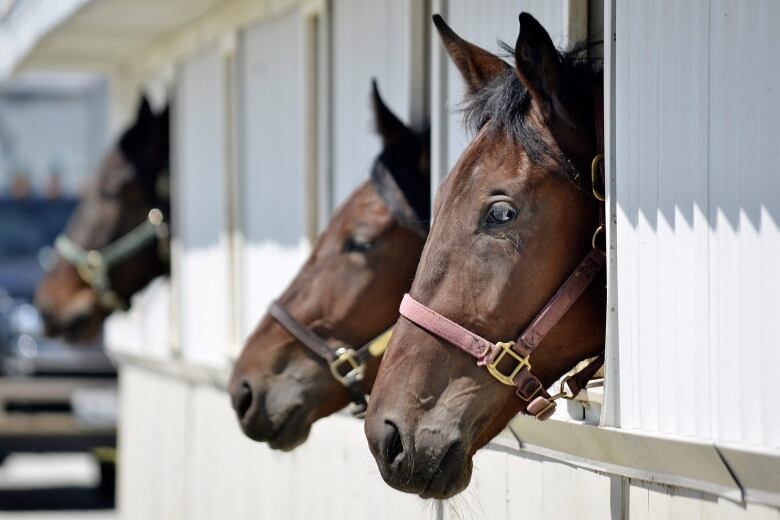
[(269, 128), (57, 400)]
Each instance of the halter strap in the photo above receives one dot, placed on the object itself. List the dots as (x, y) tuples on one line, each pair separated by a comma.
[(94, 265), (494, 356), (348, 366)]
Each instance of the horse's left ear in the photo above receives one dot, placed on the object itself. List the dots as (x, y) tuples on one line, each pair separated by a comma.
[(144, 114), (389, 127), (538, 65), (163, 119), (165, 115), (477, 66)]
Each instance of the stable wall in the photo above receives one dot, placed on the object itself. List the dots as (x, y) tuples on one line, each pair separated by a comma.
[(177, 422), (184, 457)]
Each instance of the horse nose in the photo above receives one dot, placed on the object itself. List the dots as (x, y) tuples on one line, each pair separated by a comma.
[(242, 399), (391, 446), (249, 404)]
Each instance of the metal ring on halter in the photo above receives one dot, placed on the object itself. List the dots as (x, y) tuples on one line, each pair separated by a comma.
[(594, 241), (595, 177), (355, 369)]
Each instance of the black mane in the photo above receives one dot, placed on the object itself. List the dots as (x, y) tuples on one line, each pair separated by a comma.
[(504, 103)]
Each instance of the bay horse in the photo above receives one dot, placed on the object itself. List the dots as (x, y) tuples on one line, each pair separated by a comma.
[(303, 361), (513, 219), (116, 240)]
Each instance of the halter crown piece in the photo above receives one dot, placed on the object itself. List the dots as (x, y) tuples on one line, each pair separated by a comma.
[(94, 265)]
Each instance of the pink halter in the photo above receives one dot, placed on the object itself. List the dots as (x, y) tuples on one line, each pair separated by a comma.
[(489, 354)]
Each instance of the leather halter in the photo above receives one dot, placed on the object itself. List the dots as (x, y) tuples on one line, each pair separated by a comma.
[(348, 365), (94, 265), (492, 356)]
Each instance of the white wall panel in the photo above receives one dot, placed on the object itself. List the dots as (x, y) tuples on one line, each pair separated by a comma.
[(698, 196), (145, 328), (647, 501), (370, 38), (152, 430), (273, 172), (199, 197)]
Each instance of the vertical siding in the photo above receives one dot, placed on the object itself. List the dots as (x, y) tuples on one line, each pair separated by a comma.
[(646, 501), (199, 133), (154, 454), (698, 198), (273, 148), (370, 39), (145, 329)]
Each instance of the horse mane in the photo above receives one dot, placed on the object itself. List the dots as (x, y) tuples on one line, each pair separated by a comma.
[(503, 104)]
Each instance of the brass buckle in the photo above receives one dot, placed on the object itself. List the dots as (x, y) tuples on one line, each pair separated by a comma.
[(355, 369), (594, 177), (506, 348)]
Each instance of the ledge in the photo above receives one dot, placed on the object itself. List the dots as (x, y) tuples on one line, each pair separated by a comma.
[(734, 473)]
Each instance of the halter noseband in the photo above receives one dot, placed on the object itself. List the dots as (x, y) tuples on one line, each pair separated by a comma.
[(490, 355), (94, 265), (348, 365)]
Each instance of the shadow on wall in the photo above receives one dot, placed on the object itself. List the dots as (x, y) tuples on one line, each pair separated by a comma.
[(698, 119)]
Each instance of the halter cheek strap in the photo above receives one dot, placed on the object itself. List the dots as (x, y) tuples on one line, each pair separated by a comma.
[(94, 265), (348, 366)]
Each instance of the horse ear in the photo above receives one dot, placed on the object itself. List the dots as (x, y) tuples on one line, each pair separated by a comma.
[(144, 114), (538, 64), (163, 118), (477, 65), (389, 127)]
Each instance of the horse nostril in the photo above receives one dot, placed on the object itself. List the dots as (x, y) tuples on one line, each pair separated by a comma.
[(242, 399), (391, 445)]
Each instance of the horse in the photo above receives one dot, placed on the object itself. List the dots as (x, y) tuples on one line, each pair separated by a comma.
[(116, 241), (511, 221), (302, 362)]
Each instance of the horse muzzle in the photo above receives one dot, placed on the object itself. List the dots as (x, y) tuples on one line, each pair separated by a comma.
[(431, 461), (277, 416)]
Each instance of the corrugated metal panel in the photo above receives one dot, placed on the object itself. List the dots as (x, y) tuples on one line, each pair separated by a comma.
[(698, 199), (199, 134), (647, 501), (370, 38), (273, 194), (153, 419), (486, 23)]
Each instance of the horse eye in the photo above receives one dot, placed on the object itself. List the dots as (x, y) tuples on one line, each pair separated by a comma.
[(358, 245), (501, 213)]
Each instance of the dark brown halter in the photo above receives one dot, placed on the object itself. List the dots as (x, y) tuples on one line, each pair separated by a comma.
[(348, 365), (529, 388)]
